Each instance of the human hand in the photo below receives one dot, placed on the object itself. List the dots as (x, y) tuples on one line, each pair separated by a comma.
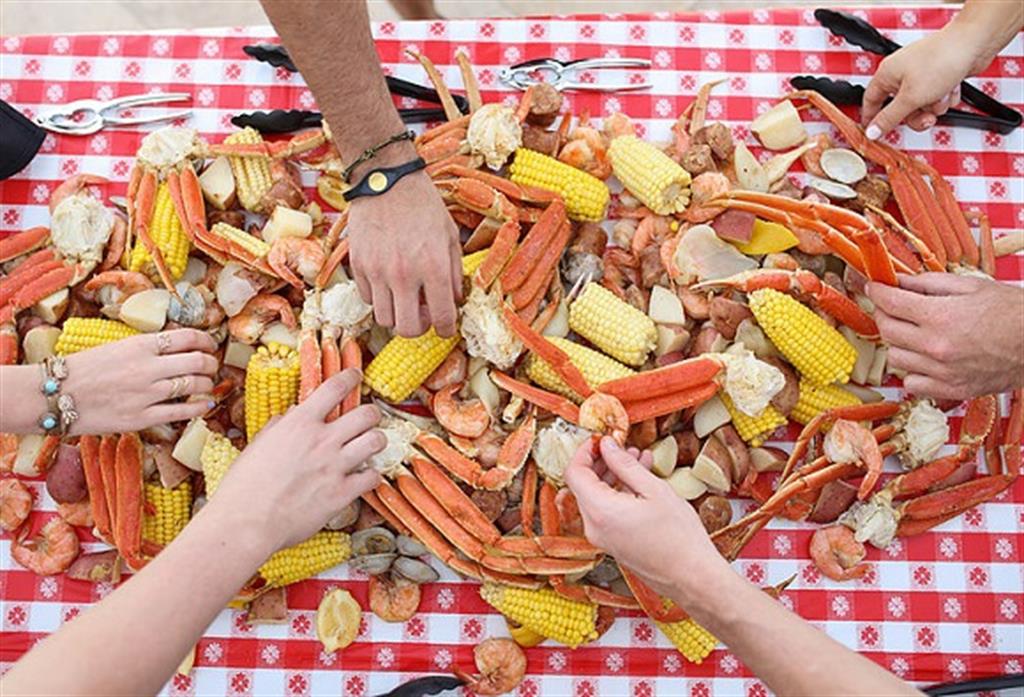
[(956, 336), (300, 470), (130, 385), (405, 247), (644, 524)]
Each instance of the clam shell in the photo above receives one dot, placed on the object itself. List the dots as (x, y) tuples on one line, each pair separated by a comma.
[(833, 190), (345, 517), (410, 547), (604, 573), (843, 165), (373, 564), (373, 541), (414, 570)]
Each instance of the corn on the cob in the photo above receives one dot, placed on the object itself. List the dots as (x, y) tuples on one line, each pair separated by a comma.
[(595, 366), (814, 399), (471, 262), (818, 351), (650, 175), (544, 611), (613, 325), (324, 550), (80, 333), (754, 429), (252, 174), (585, 195), (167, 232), (250, 243), (172, 510), (271, 385), (217, 455), (691, 639), (403, 364)]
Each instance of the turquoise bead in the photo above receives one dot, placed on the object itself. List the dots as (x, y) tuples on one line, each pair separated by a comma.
[(49, 422), (51, 386)]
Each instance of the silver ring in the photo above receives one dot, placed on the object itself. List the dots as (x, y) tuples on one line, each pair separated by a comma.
[(178, 387), (163, 343)]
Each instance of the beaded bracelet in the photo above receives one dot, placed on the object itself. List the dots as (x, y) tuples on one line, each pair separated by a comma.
[(61, 412), (370, 153)]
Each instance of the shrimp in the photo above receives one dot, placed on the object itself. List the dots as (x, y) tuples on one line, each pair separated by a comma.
[(484, 449), (587, 149), (248, 325), (469, 419), (116, 244), (704, 188), (50, 552), (79, 513), (111, 288), (837, 554), (652, 229), (8, 451), (502, 665), (812, 158), (451, 370), (849, 441), (618, 124), (72, 186), (15, 504), (393, 601), (603, 413), (290, 254)]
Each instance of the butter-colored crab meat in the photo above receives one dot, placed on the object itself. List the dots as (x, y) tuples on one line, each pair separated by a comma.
[(485, 331), (400, 435), (494, 133), (80, 227), (168, 146), (873, 521), (750, 383), (554, 447), (339, 306), (925, 432)]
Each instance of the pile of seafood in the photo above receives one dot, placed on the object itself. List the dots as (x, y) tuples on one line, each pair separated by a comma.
[(645, 310)]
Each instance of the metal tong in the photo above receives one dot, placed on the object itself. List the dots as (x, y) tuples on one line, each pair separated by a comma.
[(995, 115), (62, 119), (525, 74)]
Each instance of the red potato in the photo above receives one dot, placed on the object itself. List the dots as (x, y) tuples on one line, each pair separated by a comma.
[(670, 358), (727, 314), (652, 271), (714, 512), (734, 226), (270, 607), (590, 238), (835, 498), (689, 446), (768, 459), (787, 398), (705, 340), (695, 304), (643, 434), (713, 466), (97, 567), (65, 480), (739, 453)]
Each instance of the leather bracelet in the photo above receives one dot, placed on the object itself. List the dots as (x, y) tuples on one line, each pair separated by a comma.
[(377, 181), (370, 153)]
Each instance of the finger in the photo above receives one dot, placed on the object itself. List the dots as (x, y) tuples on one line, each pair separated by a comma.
[(355, 423), (363, 284), (912, 362), (890, 116), (442, 305), (897, 302), (179, 341), (927, 386), (646, 460), (407, 312), (875, 95), (194, 363), (954, 96), (628, 469), (358, 483), (331, 392), (181, 386), (382, 305), (180, 411), (940, 283), (940, 107), (455, 253), (921, 120), (898, 333), (355, 452)]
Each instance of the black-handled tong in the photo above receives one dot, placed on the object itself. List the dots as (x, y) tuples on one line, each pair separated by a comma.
[(993, 684), (995, 115), (286, 121)]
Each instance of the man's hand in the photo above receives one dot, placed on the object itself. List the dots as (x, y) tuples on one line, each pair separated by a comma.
[(956, 336), (405, 250), (643, 524)]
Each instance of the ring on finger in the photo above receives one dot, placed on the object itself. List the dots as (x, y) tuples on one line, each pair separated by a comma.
[(163, 343), (178, 387)]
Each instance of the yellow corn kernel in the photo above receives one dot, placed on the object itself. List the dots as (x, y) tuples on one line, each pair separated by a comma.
[(169, 236), (613, 325), (815, 399), (217, 455), (689, 638), (250, 243), (80, 333), (754, 429), (252, 173), (650, 175), (324, 550), (271, 385), (545, 612), (586, 196), (403, 364), (171, 508), (595, 366), (818, 351), (471, 262)]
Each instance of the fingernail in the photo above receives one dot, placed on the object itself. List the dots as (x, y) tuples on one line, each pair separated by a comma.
[(873, 132), (211, 404)]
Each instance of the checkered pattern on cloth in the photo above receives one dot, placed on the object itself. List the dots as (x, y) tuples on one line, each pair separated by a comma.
[(945, 605)]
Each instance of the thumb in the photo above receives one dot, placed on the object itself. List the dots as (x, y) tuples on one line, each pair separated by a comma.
[(627, 468), (891, 115)]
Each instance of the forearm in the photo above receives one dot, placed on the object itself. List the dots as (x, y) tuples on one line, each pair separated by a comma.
[(333, 48), (21, 402), (131, 642), (987, 27), (750, 623)]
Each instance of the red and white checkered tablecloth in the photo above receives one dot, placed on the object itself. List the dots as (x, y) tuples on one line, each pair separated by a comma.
[(945, 605)]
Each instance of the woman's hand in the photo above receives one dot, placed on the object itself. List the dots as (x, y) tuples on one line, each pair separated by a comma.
[(643, 524), (300, 471), (134, 383), (956, 336)]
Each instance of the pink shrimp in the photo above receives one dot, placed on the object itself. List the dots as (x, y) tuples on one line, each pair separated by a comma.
[(605, 414), (837, 554), (248, 325), (51, 551), (848, 442), (587, 149), (704, 188), (289, 255), (15, 504), (469, 418), (653, 229), (111, 288)]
